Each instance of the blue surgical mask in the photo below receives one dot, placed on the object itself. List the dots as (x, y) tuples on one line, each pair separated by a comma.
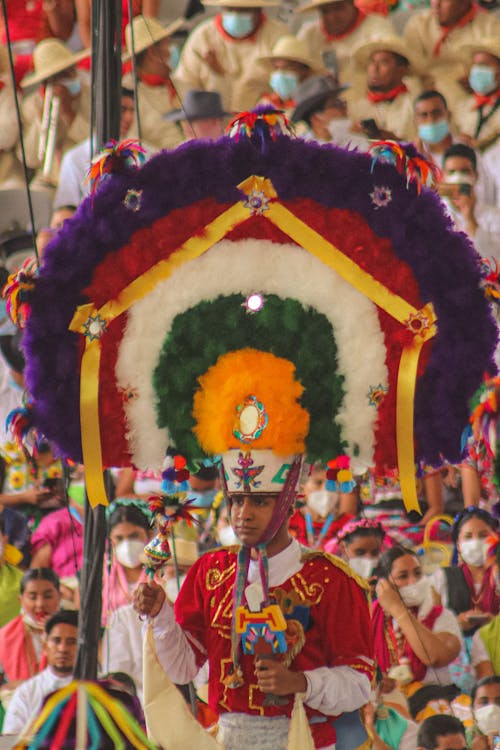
[(174, 57), (202, 499), (74, 85), (238, 25), (434, 132), (284, 83), (482, 79)]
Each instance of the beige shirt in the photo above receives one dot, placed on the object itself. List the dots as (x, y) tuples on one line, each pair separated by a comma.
[(349, 71), (467, 119), (237, 57), (66, 137), (10, 167), (396, 116), (154, 102), (444, 70)]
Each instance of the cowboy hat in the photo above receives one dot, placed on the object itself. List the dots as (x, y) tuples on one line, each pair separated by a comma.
[(198, 105), (489, 45), (393, 44), (312, 92), (290, 48), (147, 31), (50, 57), (314, 5)]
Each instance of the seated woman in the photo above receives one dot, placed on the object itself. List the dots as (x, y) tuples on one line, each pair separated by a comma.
[(359, 543), (486, 711), (129, 532), (470, 589), (415, 637), (21, 639)]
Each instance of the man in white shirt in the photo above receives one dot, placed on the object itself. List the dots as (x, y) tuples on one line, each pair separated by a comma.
[(61, 637)]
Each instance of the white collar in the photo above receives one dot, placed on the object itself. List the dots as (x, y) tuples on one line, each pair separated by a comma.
[(281, 566)]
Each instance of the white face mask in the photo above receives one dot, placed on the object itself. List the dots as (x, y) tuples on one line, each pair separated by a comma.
[(171, 587), (363, 566), (488, 718), (322, 502), (227, 537), (415, 594), (129, 552), (340, 130), (473, 551)]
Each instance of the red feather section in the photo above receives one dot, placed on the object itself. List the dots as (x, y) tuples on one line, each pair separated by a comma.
[(345, 229)]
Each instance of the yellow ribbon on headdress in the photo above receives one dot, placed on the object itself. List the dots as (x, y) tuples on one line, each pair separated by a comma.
[(261, 198)]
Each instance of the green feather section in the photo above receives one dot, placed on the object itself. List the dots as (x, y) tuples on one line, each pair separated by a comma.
[(199, 336)]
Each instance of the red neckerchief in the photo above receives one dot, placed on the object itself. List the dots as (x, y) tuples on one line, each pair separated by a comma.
[(248, 38), (151, 79), (486, 100), (446, 30), (375, 97), (336, 37), (487, 600)]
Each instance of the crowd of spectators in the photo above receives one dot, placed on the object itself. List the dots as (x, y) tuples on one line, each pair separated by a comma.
[(345, 73)]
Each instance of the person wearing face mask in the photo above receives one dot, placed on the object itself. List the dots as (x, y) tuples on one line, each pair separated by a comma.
[(21, 640), (321, 114), (437, 35), (129, 532), (224, 50), (387, 100), (478, 114), (470, 589), (486, 710), (416, 639), (323, 514), (289, 64), (470, 214), (156, 93), (56, 72), (485, 649), (359, 543)]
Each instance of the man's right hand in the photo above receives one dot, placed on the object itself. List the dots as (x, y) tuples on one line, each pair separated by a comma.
[(148, 599)]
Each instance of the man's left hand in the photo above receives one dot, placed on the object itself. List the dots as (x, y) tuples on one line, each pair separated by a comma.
[(274, 677)]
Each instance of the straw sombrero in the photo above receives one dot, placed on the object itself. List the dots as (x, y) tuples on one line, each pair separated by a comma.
[(314, 5), (50, 57), (394, 44), (148, 31), (489, 45), (290, 48), (242, 3)]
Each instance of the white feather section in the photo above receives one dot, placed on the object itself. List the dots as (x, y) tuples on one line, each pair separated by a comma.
[(244, 267)]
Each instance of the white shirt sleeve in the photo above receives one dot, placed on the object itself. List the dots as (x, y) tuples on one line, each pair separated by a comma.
[(334, 690), (18, 711), (173, 648), (447, 623), (478, 652), (409, 739)]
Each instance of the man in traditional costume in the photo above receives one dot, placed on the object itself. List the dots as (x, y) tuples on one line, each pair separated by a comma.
[(273, 619)]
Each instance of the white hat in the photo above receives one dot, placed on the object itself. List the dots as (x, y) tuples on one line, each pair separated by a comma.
[(50, 57), (290, 48), (148, 31), (394, 44), (314, 5), (255, 471), (489, 45)]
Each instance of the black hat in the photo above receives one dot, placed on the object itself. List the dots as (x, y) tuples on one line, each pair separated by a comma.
[(312, 93), (198, 105)]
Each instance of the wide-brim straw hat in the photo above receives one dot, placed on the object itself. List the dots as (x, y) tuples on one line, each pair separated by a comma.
[(148, 31), (489, 45), (293, 49), (241, 3), (394, 44), (199, 105), (50, 57), (314, 5), (312, 92)]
